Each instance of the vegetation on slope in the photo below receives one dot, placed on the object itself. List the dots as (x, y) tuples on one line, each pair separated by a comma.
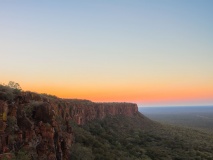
[(124, 138)]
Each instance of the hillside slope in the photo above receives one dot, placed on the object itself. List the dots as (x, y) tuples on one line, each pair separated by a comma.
[(38, 126), (41, 125), (138, 138)]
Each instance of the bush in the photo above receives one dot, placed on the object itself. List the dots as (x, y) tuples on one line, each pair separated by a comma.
[(11, 124), (8, 92), (22, 155), (80, 152)]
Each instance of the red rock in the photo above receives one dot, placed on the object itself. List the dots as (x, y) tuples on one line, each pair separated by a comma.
[(47, 132)]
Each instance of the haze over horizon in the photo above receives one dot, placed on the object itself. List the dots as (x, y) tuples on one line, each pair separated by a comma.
[(151, 52)]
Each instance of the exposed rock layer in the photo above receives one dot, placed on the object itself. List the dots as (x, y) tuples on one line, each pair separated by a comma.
[(41, 124)]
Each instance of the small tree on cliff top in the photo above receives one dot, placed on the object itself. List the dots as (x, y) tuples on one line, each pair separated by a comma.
[(14, 85)]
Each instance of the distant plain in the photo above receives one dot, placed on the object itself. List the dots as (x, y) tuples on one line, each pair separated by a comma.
[(196, 117)]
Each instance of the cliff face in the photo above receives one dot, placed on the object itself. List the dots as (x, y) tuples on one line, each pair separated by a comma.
[(42, 125)]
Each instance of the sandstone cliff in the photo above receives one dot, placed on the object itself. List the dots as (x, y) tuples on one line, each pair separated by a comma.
[(41, 124)]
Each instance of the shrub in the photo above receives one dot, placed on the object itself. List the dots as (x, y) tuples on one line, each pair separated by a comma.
[(11, 124)]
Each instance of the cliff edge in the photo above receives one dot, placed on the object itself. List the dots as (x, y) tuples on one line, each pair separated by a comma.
[(42, 124)]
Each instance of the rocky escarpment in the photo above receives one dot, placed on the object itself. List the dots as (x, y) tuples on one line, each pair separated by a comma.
[(42, 125)]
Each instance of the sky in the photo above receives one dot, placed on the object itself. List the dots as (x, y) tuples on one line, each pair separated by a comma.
[(150, 52)]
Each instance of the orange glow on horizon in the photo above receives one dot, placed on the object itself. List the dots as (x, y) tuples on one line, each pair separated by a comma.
[(127, 94)]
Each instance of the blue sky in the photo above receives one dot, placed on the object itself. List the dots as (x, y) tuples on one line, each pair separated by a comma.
[(153, 52)]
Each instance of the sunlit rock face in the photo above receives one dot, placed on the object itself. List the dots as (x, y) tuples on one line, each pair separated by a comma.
[(42, 124), (84, 113)]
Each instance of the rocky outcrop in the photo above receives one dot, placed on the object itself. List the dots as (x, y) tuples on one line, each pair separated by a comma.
[(82, 113), (42, 125)]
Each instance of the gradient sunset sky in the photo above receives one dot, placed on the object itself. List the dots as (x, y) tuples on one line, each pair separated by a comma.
[(152, 52)]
